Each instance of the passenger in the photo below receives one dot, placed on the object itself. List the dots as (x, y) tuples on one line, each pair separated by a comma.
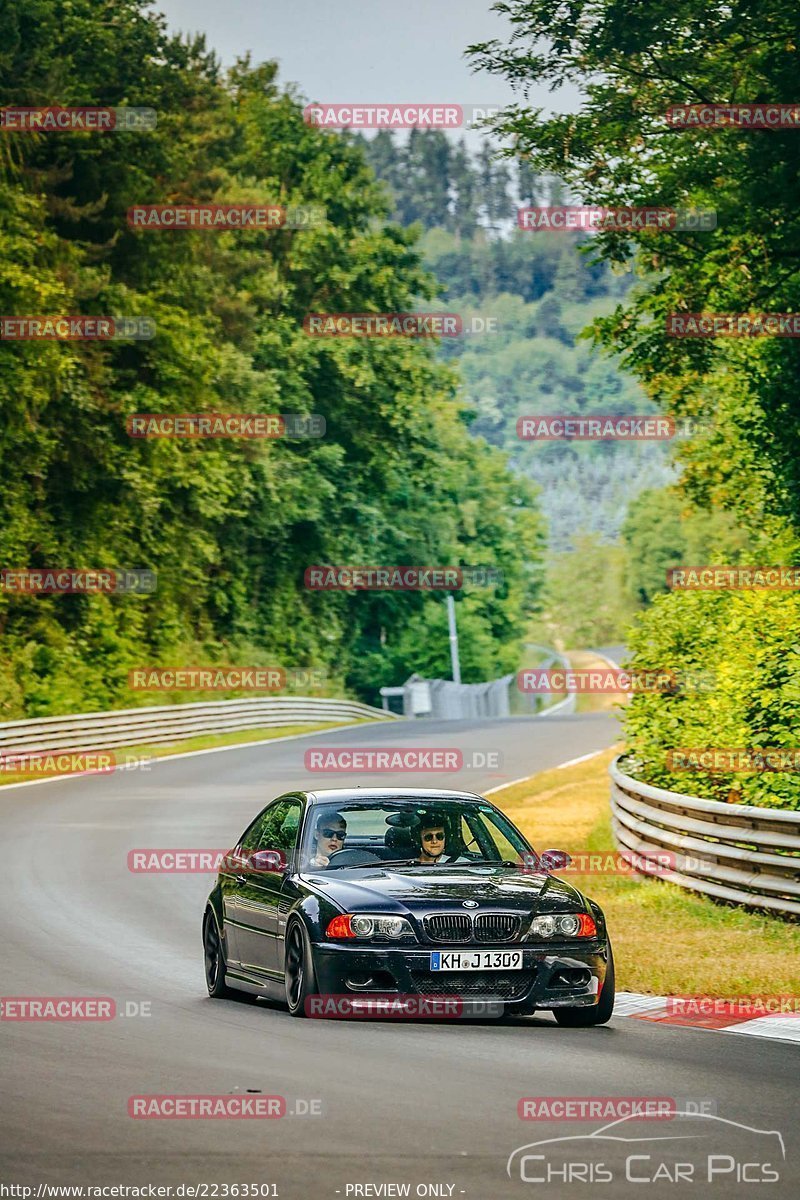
[(329, 836), (432, 839)]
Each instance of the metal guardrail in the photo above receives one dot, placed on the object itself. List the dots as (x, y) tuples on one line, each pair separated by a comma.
[(732, 852), (450, 701), (445, 700), (539, 704), (175, 722)]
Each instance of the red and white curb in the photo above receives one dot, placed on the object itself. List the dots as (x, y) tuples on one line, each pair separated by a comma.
[(778, 1026)]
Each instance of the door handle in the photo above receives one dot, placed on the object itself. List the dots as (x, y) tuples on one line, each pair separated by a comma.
[(241, 879)]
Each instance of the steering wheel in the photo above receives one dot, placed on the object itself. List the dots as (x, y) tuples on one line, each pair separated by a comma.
[(357, 858)]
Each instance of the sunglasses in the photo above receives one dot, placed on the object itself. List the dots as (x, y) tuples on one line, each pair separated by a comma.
[(334, 833), (433, 837)]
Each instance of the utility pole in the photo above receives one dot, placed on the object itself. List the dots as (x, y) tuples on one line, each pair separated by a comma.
[(451, 621)]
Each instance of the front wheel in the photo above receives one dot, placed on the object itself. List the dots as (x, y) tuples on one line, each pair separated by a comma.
[(299, 974), (598, 1014), (214, 956)]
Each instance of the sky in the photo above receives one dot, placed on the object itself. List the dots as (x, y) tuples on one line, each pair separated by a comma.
[(362, 51)]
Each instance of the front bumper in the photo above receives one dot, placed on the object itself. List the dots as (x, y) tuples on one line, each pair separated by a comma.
[(551, 977)]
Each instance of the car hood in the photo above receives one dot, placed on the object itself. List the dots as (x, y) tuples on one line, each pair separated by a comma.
[(416, 889)]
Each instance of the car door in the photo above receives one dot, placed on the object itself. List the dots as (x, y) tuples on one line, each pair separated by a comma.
[(232, 880), (258, 919)]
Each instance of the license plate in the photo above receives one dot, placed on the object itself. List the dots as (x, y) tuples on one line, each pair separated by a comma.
[(476, 960)]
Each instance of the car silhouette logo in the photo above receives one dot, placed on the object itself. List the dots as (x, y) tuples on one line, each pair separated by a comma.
[(615, 1131), (470, 903)]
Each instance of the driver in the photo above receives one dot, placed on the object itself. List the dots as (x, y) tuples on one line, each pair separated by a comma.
[(432, 839), (329, 835)]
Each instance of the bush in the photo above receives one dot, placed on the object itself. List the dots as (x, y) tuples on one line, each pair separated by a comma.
[(745, 648)]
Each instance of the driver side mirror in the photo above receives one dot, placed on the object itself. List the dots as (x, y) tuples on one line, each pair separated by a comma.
[(555, 860), (267, 860)]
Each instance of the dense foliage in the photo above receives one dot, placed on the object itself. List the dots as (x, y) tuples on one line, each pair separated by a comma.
[(740, 654), (541, 290), (632, 64), (229, 526)]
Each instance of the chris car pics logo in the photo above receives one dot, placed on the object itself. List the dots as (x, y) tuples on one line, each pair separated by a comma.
[(694, 1148)]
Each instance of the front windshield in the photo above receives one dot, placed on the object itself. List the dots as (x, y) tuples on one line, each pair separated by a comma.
[(411, 832)]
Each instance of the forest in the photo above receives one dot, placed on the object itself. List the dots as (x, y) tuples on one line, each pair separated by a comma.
[(227, 526)]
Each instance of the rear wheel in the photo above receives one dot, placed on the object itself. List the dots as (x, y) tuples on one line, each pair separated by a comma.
[(214, 955), (599, 1013), (299, 974)]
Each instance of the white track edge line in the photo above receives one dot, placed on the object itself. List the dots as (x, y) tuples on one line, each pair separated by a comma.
[(559, 766), (289, 737)]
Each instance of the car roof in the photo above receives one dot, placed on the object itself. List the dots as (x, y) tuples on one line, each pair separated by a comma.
[(339, 795)]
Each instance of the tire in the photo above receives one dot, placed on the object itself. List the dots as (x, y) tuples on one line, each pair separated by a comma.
[(598, 1014), (214, 958), (299, 975)]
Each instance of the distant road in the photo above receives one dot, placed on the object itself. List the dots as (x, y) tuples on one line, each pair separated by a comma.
[(615, 653)]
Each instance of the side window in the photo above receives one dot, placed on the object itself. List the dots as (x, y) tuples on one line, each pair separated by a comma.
[(276, 828)]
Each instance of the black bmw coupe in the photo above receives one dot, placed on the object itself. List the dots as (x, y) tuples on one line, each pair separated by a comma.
[(358, 893)]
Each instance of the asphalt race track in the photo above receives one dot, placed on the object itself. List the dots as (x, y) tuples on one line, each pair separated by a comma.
[(421, 1103)]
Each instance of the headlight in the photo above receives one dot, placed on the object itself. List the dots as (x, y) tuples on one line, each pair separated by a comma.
[(567, 925), (366, 926)]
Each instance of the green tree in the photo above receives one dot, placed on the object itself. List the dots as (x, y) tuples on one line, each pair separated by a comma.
[(585, 601), (661, 530), (633, 63), (494, 178), (229, 527)]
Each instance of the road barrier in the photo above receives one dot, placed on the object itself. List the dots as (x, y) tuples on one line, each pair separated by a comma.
[(449, 701), (539, 704), (733, 852), (175, 722)]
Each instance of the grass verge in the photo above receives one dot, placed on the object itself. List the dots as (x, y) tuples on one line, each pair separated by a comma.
[(666, 941), (585, 660)]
